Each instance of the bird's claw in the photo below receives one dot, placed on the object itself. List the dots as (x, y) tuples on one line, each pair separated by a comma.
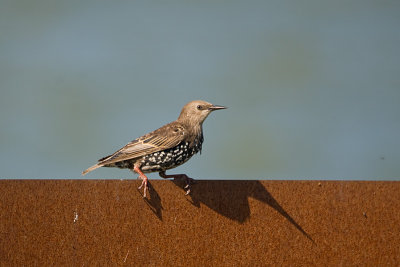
[(189, 182), (146, 188), (176, 177), (187, 191)]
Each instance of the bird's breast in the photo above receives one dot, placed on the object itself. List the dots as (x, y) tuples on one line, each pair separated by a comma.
[(169, 158)]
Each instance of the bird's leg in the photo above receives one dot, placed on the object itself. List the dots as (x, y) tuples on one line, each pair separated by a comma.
[(187, 179), (144, 180)]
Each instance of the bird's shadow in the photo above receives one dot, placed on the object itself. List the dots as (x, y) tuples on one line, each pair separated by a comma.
[(154, 201), (230, 199)]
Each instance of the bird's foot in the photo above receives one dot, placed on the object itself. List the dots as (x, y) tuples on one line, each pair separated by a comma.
[(144, 181), (144, 184), (189, 181)]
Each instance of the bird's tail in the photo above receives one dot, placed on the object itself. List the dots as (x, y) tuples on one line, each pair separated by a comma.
[(92, 168)]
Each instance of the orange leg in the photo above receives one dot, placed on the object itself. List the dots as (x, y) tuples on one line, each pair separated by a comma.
[(144, 180), (188, 180)]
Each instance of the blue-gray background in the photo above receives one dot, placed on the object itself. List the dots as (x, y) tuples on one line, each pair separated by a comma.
[(313, 87)]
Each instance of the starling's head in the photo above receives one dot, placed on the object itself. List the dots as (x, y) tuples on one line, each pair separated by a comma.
[(197, 111)]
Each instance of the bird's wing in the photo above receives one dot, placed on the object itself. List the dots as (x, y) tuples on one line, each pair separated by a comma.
[(165, 137)]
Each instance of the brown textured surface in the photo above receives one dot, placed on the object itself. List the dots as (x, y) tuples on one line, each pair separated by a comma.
[(224, 223)]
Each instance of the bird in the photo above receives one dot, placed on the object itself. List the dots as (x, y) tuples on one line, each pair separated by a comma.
[(165, 148)]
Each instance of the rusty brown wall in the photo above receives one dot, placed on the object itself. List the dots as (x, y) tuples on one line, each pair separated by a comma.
[(223, 223)]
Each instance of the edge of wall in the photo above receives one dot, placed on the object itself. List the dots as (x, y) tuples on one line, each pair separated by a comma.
[(107, 222)]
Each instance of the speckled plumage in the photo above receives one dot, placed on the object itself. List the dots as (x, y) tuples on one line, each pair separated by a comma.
[(165, 148)]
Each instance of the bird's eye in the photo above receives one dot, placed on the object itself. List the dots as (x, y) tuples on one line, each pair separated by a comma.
[(199, 107)]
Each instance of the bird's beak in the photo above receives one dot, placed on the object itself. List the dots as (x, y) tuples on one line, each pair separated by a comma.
[(216, 107)]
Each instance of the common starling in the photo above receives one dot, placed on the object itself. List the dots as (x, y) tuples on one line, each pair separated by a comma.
[(165, 148)]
